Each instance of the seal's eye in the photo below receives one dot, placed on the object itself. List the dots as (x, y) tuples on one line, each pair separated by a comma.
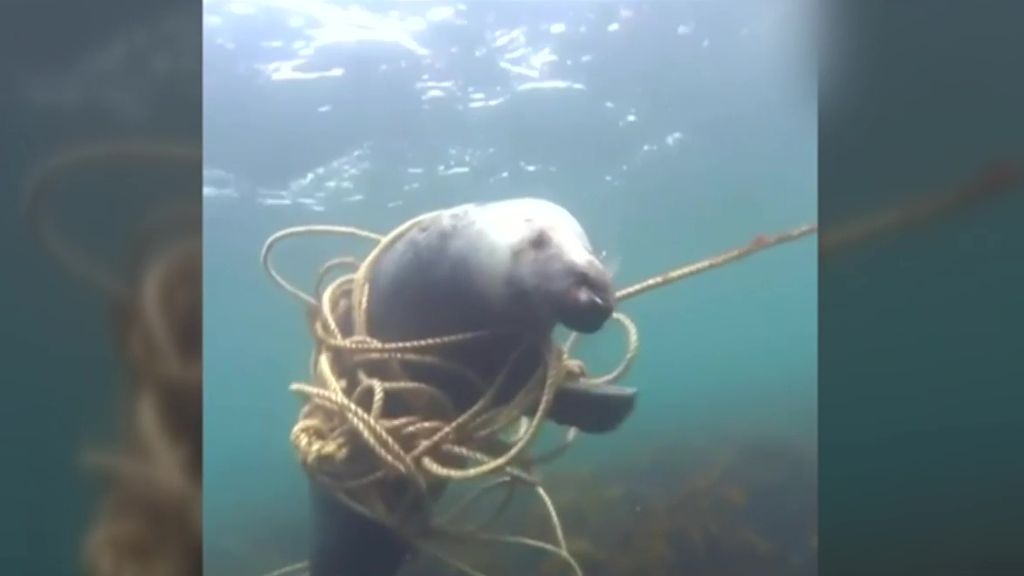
[(540, 240)]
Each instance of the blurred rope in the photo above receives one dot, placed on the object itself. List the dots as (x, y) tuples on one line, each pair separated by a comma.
[(150, 517), (345, 442), (992, 181)]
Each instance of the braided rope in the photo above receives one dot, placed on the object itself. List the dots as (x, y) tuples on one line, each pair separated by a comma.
[(343, 440)]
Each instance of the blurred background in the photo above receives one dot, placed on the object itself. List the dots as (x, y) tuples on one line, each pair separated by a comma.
[(920, 420), (94, 96)]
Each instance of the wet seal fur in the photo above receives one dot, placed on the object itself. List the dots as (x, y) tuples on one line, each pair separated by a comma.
[(516, 268)]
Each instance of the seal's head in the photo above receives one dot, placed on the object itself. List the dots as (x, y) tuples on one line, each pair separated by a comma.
[(574, 285), (549, 263), (515, 269)]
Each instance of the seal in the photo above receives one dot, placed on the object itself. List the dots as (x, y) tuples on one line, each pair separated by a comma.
[(513, 268), (516, 268)]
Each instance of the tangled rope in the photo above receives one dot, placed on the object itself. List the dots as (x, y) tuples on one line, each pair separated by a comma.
[(346, 443), (150, 518)]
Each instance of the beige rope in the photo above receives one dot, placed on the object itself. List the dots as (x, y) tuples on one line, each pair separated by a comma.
[(343, 440), (150, 519), (993, 180), (759, 243), (48, 176)]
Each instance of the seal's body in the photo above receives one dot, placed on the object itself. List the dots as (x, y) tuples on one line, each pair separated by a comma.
[(515, 269)]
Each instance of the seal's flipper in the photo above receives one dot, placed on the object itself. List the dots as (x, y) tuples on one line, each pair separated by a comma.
[(346, 543), (593, 408)]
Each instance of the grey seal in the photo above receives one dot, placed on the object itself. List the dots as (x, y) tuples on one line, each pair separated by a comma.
[(514, 268), (517, 268)]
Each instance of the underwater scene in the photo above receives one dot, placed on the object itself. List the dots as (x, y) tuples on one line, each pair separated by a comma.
[(669, 132)]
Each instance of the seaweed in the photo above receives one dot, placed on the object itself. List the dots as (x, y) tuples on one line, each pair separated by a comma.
[(727, 510)]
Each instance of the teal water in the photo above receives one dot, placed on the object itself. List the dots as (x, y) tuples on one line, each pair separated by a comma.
[(69, 84), (672, 131)]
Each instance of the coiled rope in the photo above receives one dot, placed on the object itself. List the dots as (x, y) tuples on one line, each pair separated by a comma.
[(150, 517), (345, 442)]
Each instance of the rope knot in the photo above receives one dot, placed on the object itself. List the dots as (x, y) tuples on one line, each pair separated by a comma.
[(575, 369)]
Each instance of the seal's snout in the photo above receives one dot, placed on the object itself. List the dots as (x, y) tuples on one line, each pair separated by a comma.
[(595, 310), (591, 303)]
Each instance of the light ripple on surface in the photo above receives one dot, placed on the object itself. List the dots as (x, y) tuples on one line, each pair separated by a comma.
[(528, 58)]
